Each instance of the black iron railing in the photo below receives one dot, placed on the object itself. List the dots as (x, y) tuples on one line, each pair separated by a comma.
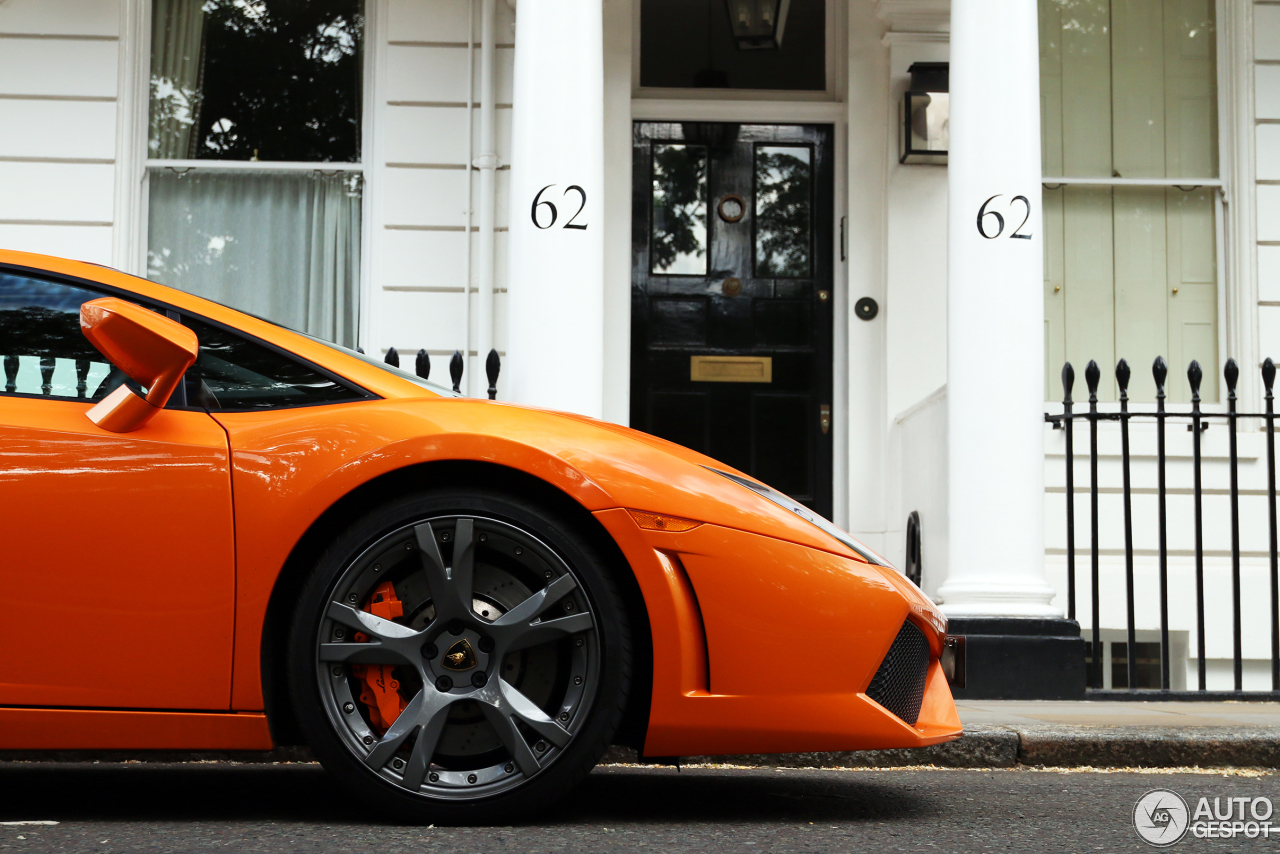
[(1198, 422), (422, 367)]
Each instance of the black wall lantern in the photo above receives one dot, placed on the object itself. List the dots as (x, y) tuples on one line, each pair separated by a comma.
[(758, 24), (926, 114)]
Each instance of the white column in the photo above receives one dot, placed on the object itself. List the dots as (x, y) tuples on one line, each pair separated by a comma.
[(555, 307), (995, 316)]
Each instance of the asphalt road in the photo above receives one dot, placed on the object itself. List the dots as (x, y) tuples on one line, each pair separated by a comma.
[(295, 808)]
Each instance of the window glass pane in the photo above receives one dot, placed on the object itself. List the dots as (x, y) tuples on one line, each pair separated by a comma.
[(1128, 91), (783, 211), (232, 372), (42, 349), (284, 246), (679, 244), (256, 79), (688, 44)]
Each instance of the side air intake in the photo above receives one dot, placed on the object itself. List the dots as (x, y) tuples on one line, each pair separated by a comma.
[(899, 683)]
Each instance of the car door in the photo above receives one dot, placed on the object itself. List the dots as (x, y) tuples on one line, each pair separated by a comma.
[(118, 570)]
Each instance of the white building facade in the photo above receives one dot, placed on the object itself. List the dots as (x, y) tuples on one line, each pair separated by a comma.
[(695, 218)]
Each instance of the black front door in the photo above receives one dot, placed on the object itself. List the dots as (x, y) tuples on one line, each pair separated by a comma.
[(731, 297)]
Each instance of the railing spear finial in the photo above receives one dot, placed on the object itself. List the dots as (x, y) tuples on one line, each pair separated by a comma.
[(1092, 373), (392, 358), (1194, 376), (492, 366), (455, 370), (1268, 374), (1122, 377), (1232, 374), (1068, 381), (1160, 371), (422, 365)]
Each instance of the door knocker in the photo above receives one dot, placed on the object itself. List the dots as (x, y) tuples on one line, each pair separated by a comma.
[(732, 208)]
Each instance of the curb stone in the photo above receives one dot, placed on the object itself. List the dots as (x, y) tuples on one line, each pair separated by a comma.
[(981, 746), (990, 746)]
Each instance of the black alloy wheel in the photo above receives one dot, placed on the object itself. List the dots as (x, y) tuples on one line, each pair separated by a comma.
[(460, 658)]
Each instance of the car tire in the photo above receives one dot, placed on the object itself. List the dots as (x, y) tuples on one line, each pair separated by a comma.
[(439, 710)]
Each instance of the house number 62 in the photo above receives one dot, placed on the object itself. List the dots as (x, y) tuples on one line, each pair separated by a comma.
[(550, 215), (985, 225)]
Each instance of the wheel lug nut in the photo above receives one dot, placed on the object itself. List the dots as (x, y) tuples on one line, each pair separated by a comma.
[(397, 763), (408, 547), (348, 707), (546, 574), (486, 644), (337, 671), (577, 680), (353, 598), (577, 642), (568, 606), (339, 633), (564, 716), (377, 567), (471, 778), (540, 747), (368, 739), (519, 551), (434, 777), (484, 537), (444, 683), (456, 627), (445, 536), (479, 679), (429, 651), (508, 767)]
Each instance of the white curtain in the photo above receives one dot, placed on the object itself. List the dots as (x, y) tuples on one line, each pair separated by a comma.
[(177, 43), (281, 245)]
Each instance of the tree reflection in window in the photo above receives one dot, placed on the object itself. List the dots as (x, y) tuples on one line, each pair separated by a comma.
[(783, 211), (679, 242), (256, 79)]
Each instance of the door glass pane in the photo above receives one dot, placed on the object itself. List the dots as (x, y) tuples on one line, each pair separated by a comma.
[(42, 349), (260, 80), (784, 227), (234, 373), (678, 245)]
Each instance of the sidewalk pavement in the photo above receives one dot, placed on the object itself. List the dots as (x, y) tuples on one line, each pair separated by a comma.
[(1120, 734)]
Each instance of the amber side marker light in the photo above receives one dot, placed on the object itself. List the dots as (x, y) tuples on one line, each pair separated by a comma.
[(657, 522)]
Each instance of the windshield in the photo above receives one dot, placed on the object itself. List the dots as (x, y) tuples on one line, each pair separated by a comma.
[(391, 369)]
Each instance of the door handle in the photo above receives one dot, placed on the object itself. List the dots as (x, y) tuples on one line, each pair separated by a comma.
[(824, 418)]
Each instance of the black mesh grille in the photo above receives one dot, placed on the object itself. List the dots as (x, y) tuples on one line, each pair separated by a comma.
[(899, 683)]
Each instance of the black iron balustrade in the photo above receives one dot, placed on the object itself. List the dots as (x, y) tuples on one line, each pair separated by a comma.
[(1198, 423), (422, 367)]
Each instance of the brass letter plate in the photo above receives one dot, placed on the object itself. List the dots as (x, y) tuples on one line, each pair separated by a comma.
[(731, 369)]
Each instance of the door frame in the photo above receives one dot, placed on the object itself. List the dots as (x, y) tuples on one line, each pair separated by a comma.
[(619, 174)]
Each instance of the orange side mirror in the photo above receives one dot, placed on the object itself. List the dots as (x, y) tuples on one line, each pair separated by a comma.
[(152, 350)]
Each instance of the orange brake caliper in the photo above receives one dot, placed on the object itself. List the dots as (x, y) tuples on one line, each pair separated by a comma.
[(380, 692)]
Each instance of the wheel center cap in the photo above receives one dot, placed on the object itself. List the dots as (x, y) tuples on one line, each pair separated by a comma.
[(460, 656)]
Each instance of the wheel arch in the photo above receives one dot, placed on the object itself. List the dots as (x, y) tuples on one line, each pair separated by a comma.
[(403, 481)]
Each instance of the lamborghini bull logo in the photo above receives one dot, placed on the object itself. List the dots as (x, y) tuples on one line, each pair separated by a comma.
[(460, 656)]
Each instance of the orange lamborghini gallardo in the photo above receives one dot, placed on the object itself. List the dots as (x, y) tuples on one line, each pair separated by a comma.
[(221, 534)]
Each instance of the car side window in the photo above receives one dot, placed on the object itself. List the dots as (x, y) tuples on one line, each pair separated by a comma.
[(42, 350), (234, 373)]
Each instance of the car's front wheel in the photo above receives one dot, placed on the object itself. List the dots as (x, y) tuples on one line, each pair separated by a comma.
[(460, 657)]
